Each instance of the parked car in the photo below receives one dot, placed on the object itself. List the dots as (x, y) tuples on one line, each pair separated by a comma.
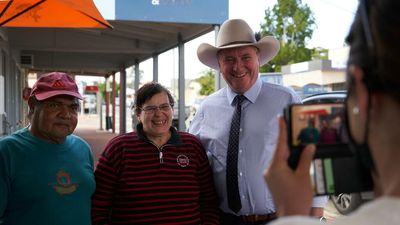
[(175, 120), (327, 97), (345, 203)]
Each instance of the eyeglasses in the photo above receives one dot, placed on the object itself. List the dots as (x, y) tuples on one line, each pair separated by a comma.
[(152, 109)]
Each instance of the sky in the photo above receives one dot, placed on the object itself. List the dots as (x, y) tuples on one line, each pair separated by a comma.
[(333, 20)]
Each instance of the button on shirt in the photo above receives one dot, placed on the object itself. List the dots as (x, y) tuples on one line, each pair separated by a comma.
[(258, 135)]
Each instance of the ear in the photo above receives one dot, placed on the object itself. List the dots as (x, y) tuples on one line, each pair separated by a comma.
[(31, 104), (138, 117), (361, 91)]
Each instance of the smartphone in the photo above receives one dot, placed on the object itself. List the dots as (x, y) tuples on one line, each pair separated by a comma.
[(335, 168), (321, 124)]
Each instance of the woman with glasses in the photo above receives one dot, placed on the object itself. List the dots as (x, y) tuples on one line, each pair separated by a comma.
[(373, 122), (156, 175)]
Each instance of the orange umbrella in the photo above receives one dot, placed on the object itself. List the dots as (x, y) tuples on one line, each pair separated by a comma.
[(52, 14), (3, 5)]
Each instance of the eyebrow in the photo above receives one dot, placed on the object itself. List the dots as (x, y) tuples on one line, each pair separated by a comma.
[(166, 103), (74, 102)]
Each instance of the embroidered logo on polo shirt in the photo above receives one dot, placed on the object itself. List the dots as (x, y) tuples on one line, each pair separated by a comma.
[(64, 185), (58, 84), (182, 160)]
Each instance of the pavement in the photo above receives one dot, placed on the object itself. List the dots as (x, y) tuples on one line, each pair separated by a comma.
[(89, 129)]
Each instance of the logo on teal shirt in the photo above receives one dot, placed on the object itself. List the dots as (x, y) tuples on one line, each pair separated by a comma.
[(64, 185)]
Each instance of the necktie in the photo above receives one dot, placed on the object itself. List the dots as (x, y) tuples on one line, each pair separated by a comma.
[(232, 159)]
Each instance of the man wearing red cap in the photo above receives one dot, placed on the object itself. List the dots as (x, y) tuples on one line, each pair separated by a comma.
[(46, 173)]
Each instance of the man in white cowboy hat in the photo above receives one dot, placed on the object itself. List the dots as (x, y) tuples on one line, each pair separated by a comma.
[(238, 56)]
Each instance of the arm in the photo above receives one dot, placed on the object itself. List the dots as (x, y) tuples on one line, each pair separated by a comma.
[(281, 178), (105, 175), (208, 196), (195, 124), (3, 188)]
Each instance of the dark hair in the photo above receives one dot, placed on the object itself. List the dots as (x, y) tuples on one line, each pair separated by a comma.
[(375, 46), (32, 100), (147, 91)]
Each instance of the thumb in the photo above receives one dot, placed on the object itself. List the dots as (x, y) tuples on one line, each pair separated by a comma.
[(306, 157)]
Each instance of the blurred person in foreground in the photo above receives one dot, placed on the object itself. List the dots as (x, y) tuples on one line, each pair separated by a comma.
[(373, 118), (238, 56), (46, 172), (155, 175)]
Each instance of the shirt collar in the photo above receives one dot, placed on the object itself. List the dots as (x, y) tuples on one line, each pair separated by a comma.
[(250, 94), (173, 140)]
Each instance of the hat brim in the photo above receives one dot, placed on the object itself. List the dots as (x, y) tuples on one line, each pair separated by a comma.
[(268, 48), (49, 94)]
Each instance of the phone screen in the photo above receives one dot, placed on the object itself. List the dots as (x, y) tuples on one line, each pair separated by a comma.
[(321, 124), (335, 168), (317, 123)]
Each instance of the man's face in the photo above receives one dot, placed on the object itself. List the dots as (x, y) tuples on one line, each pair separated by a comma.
[(55, 118), (239, 67)]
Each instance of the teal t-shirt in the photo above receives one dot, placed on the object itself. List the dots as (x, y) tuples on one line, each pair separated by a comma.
[(43, 183)]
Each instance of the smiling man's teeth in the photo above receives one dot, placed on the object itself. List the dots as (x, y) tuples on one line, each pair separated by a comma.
[(239, 75)]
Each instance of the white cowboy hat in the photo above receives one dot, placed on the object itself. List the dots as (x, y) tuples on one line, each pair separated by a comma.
[(236, 33)]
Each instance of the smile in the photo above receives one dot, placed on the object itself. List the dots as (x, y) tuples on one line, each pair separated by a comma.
[(62, 124), (239, 75), (159, 122)]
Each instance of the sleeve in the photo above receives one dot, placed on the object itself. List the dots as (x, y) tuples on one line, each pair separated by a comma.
[(195, 124), (296, 98), (208, 195), (296, 220), (90, 154), (320, 201), (106, 179)]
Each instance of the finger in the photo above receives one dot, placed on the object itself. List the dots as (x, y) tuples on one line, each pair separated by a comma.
[(306, 157)]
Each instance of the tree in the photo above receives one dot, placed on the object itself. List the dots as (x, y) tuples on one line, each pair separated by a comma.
[(207, 82), (320, 53), (293, 24), (102, 88)]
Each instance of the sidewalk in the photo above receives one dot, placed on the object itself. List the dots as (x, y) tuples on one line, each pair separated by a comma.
[(89, 129)]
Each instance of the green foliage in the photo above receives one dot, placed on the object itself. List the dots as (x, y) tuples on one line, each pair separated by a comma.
[(207, 82), (102, 88), (292, 23), (320, 53)]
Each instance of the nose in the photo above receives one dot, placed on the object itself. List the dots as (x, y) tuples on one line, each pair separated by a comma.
[(237, 65), (65, 112), (157, 110)]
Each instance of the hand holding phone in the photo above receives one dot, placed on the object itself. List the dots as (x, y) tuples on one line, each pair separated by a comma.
[(335, 168)]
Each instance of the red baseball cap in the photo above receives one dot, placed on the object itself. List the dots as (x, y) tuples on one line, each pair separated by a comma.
[(52, 84)]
